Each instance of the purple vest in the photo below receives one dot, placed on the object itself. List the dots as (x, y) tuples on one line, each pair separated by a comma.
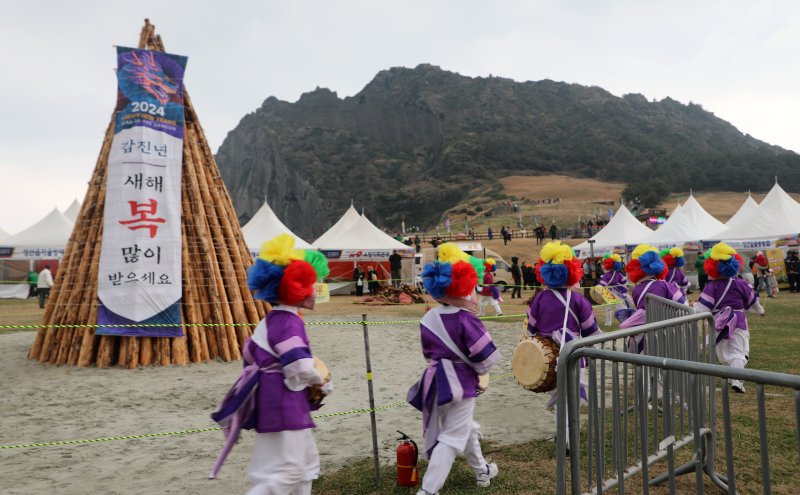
[(546, 315), (677, 277), (277, 407), (616, 282), (660, 288), (739, 298)]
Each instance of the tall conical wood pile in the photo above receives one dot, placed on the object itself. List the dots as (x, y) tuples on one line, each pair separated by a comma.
[(214, 259)]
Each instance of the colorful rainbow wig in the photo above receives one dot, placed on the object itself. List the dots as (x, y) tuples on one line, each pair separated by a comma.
[(282, 274), (673, 258), (558, 267), (455, 274), (613, 262), (722, 261), (490, 265), (645, 262)]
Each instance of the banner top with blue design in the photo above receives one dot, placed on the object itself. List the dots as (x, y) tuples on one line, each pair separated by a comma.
[(150, 92)]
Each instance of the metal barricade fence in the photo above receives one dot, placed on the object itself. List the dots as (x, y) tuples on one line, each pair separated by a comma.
[(660, 401)]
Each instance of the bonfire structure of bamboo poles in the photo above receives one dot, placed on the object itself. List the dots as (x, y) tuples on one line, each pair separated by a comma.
[(214, 262)]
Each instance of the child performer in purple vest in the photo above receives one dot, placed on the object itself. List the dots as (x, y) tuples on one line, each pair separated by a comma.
[(458, 349), (279, 367), (675, 261), (559, 313), (489, 293), (727, 298), (614, 278), (647, 271)]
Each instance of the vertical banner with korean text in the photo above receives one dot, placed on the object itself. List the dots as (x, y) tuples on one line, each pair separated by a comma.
[(140, 262)]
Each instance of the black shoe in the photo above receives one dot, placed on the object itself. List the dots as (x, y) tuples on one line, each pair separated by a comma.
[(738, 389)]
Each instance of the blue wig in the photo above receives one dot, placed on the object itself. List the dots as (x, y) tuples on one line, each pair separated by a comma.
[(651, 263), (680, 261), (436, 277), (728, 268), (554, 274), (263, 279), (618, 266)]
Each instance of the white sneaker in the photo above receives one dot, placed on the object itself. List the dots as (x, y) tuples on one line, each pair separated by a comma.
[(423, 492), (737, 386), (484, 479)]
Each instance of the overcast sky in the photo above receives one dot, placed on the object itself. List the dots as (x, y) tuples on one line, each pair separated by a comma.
[(738, 59)]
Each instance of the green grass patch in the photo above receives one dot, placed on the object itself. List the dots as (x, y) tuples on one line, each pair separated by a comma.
[(529, 468)]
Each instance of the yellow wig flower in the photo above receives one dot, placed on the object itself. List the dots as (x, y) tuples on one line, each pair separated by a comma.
[(280, 250), (555, 252), (722, 251), (676, 252), (641, 249), (451, 253)]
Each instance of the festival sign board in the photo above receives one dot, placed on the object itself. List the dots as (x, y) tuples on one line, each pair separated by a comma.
[(775, 259), (140, 280)]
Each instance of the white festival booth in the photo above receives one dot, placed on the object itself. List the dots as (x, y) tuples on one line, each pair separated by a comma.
[(346, 221), (357, 241), (774, 223), (73, 210), (264, 226), (623, 229), (685, 228), (44, 240)]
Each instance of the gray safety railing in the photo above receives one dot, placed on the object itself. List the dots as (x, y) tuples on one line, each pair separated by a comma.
[(642, 408)]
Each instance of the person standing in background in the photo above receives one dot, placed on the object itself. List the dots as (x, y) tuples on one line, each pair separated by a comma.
[(702, 277), (762, 274), (516, 274), (553, 231), (395, 265), (358, 278), (43, 285), (33, 280), (372, 280), (792, 263)]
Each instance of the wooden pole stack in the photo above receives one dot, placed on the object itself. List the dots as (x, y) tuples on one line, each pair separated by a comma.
[(215, 258)]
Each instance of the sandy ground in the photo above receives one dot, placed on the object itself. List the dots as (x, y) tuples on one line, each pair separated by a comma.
[(43, 404)]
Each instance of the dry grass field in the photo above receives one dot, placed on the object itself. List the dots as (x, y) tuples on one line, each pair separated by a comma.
[(577, 198)]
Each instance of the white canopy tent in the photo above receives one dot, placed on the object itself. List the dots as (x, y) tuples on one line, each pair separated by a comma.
[(73, 210), (360, 235), (746, 209), (347, 220), (622, 229), (690, 223), (777, 216), (46, 239), (4, 235), (264, 226)]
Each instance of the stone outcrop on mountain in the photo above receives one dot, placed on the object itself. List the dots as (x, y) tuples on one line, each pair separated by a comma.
[(415, 142)]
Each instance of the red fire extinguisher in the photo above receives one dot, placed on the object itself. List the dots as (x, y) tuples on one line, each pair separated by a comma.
[(407, 456)]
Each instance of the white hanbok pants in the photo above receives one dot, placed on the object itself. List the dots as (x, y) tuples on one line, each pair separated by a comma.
[(284, 463), (459, 433), (734, 351), (484, 301)]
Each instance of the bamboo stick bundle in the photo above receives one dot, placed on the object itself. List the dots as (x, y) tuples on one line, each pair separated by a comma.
[(214, 259)]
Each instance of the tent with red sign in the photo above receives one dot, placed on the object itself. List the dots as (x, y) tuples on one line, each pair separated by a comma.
[(621, 230), (361, 243), (264, 226), (164, 182), (346, 221)]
